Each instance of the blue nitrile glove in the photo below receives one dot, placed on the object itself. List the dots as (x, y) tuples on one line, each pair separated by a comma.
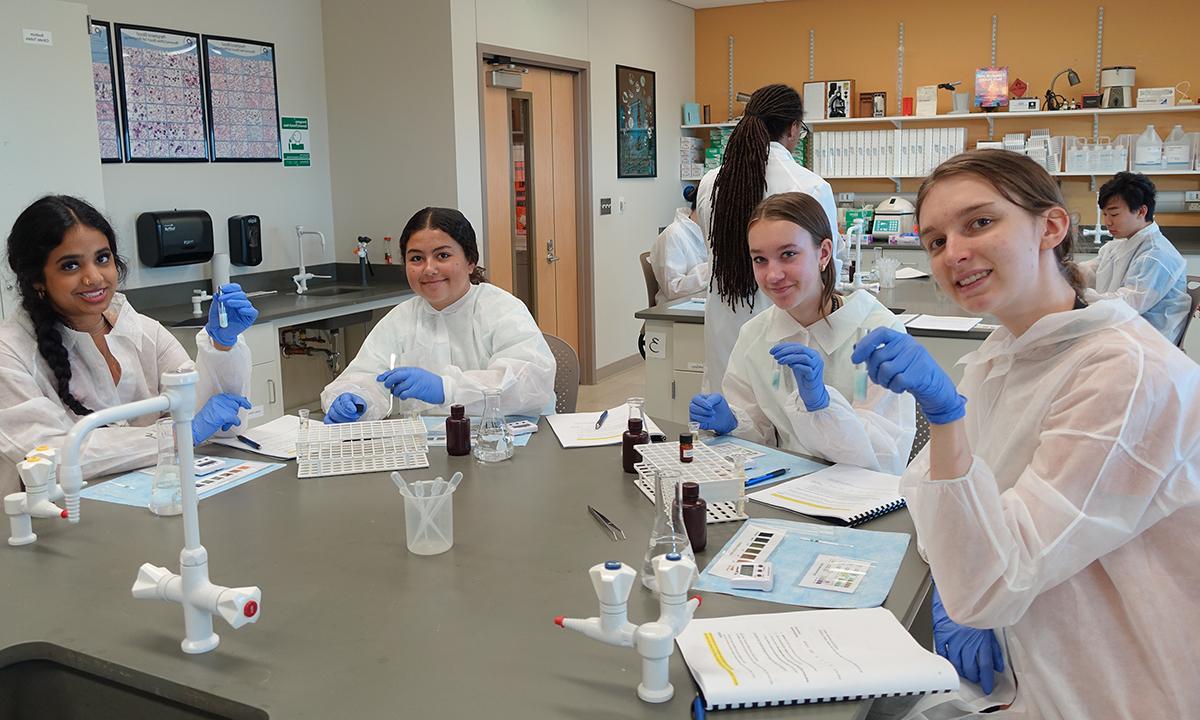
[(974, 653), (903, 365), (345, 408), (713, 413), (414, 382), (239, 314), (809, 369), (219, 413)]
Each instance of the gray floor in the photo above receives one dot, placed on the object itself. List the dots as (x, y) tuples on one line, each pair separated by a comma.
[(613, 391)]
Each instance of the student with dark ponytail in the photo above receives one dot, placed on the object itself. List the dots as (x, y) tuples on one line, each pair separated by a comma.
[(77, 346), (758, 163)]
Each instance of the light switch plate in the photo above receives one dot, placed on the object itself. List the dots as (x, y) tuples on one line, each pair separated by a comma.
[(606, 206)]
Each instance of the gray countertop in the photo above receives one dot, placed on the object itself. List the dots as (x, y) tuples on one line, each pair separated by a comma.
[(919, 296), (354, 626)]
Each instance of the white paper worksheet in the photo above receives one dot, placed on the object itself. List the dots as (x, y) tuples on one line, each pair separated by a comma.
[(944, 322), (579, 429)]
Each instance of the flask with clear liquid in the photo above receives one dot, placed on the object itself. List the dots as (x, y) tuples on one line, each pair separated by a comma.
[(493, 441), (669, 534), (166, 493)]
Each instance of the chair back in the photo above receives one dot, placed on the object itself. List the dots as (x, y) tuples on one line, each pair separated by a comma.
[(566, 379), (1193, 288), (651, 281)]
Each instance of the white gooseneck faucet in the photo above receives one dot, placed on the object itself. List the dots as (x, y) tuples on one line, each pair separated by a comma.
[(302, 276)]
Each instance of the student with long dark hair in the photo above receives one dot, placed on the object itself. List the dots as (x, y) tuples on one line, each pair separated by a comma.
[(76, 346), (459, 336), (757, 163)]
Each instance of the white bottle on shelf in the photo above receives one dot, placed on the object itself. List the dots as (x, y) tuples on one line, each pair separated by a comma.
[(1177, 150), (1147, 152)]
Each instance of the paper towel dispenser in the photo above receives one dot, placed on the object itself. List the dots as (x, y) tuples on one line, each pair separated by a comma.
[(174, 237)]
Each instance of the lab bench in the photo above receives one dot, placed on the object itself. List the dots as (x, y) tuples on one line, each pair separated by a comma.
[(341, 299), (675, 344), (355, 626)]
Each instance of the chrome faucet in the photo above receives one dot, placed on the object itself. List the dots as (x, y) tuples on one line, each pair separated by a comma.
[(302, 276)]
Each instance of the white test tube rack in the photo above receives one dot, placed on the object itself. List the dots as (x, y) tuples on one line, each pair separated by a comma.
[(361, 447), (722, 483)]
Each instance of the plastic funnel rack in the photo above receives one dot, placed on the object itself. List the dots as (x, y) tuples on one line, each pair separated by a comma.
[(361, 447)]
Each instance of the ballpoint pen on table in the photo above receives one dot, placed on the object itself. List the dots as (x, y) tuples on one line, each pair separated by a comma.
[(824, 542), (603, 417), (249, 442), (765, 477)]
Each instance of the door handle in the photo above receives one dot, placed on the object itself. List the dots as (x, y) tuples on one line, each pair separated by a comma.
[(271, 391), (550, 256)]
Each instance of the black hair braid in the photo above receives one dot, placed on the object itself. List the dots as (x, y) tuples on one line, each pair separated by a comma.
[(740, 185), (46, 323)]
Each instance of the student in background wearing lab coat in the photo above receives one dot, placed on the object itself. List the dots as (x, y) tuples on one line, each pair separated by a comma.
[(678, 255), (458, 337), (77, 346), (757, 163), (1139, 265), (790, 373), (1058, 499)]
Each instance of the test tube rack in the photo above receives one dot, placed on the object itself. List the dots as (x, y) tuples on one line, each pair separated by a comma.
[(722, 485), (361, 447)]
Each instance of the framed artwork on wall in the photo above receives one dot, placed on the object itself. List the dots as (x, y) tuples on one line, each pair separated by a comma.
[(242, 99), (162, 105), (104, 80), (839, 94), (637, 146)]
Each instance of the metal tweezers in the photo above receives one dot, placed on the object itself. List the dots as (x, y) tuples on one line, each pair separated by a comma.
[(609, 526)]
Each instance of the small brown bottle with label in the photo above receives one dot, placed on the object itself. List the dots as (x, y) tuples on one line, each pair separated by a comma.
[(632, 437), (695, 516), (685, 448), (458, 432)]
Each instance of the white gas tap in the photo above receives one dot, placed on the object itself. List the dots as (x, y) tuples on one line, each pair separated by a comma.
[(41, 491), (655, 640)]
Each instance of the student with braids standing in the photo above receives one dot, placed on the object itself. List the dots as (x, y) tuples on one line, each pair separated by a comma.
[(77, 346), (758, 163)]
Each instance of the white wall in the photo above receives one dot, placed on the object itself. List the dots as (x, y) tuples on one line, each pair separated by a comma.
[(390, 115), (656, 35), (283, 197)]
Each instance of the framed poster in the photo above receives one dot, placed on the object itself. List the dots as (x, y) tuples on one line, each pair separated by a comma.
[(242, 100), (637, 146), (162, 108), (839, 94), (104, 80)]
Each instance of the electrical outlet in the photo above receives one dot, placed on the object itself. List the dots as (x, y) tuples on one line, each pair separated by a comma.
[(606, 206), (1191, 196), (845, 197), (1193, 207)]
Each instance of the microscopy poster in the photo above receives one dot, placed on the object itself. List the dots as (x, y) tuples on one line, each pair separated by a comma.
[(162, 105), (242, 98), (104, 82)]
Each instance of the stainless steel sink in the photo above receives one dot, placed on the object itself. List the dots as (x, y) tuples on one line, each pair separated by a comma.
[(327, 290), (43, 682)]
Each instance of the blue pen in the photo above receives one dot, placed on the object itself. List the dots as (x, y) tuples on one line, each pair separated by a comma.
[(603, 417), (765, 477)]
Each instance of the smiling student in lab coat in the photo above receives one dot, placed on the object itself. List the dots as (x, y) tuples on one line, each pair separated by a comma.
[(1139, 265), (679, 256), (1058, 499), (790, 372), (77, 346), (458, 337), (757, 163)]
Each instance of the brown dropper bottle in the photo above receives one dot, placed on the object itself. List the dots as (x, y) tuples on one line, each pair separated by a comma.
[(695, 516), (458, 432)]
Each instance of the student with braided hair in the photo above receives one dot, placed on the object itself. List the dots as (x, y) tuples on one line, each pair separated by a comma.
[(77, 346), (758, 163)]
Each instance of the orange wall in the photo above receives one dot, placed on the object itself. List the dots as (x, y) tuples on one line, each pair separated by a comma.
[(946, 41)]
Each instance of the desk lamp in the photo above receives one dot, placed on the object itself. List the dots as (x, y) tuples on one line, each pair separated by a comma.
[(1057, 102)]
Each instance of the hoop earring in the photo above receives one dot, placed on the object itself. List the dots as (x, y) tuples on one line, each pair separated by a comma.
[(41, 293)]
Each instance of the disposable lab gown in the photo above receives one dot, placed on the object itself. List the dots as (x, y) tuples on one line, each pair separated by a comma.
[(679, 259), (721, 323), (876, 433), (485, 339), (1077, 527), (1146, 271), (32, 413)]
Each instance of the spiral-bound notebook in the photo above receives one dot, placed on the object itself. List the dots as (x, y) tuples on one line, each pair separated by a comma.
[(808, 657), (842, 494)]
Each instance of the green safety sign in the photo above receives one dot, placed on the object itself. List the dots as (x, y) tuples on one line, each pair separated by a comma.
[(297, 152)]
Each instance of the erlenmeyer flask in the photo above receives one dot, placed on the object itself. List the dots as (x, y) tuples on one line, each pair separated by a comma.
[(668, 534), (494, 441), (166, 494)]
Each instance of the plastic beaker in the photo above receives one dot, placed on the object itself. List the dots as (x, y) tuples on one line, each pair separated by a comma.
[(886, 269), (429, 517)]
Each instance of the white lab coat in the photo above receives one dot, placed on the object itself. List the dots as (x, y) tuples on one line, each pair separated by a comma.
[(680, 259), (32, 413), (1077, 527), (485, 339), (1146, 271), (876, 434), (721, 324)]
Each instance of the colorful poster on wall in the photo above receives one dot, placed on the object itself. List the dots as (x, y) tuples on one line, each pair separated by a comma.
[(637, 146), (296, 149), (162, 108), (243, 105), (991, 87), (104, 80)]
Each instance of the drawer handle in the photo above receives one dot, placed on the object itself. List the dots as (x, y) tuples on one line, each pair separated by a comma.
[(271, 391)]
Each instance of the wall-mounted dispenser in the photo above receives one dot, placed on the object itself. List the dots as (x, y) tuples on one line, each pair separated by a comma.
[(174, 237), (245, 240)]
